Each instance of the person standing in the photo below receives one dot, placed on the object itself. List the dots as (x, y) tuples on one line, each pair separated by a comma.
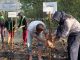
[(23, 24), (10, 25), (2, 27)]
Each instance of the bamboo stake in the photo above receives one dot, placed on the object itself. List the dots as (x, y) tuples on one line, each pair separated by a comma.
[(50, 36)]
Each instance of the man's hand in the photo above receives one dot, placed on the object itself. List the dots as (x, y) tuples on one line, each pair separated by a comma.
[(22, 26), (17, 28), (50, 44)]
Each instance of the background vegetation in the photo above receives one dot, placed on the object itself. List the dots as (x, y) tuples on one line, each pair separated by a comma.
[(34, 9)]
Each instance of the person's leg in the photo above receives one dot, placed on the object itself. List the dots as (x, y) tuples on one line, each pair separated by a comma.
[(73, 46), (24, 38), (79, 53), (2, 36), (29, 45), (69, 46), (74, 50), (9, 38), (12, 39), (40, 45)]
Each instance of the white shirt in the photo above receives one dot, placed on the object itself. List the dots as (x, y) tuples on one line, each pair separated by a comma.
[(33, 24)]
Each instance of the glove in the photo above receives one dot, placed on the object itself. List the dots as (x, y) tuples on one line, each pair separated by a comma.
[(49, 44)]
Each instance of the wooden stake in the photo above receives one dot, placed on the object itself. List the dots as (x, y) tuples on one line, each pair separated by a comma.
[(50, 36)]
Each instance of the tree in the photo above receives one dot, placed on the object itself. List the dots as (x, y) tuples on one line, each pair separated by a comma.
[(32, 8), (70, 6)]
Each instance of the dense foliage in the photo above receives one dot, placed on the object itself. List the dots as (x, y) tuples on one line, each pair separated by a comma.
[(33, 8)]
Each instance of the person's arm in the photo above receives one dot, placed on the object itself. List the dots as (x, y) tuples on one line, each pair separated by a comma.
[(68, 25), (24, 23), (65, 31), (46, 42), (19, 23), (14, 26), (37, 37), (46, 33)]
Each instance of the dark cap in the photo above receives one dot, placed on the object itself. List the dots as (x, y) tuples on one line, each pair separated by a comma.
[(57, 15), (20, 14)]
